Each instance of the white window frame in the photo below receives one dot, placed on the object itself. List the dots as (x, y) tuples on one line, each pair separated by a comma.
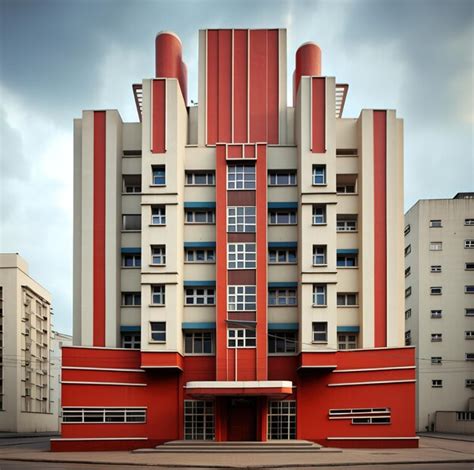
[(158, 294), (111, 415), (436, 223), (319, 172), (136, 259), (283, 297), (136, 299), (320, 251), (199, 420), (319, 292), (206, 252), (275, 255), (316, 334), (319, 214), (190, 177), (247, 292), (136, 188), (468, 221), (436, 314), (274, 175), (242, 255), (190, 216), (281, 424), (157, 328), (158, 255), (277, 217), (346, 297), (436, 290), (199, 296), (248, 214), (346, 223), (347, 259), (204, 337), (436, 246), (241, 338), (158, 215), (240, 179), (134, 342), (436, 337), (347, 341)]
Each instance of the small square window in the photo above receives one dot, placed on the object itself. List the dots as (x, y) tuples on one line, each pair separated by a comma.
[(436, 246), (320, 332), (319, 175), (159, 175), (436, 360), (437, 383), (434, 223), (158, 331), (436, 313), (436, 290), (436, 268), (469, 244)]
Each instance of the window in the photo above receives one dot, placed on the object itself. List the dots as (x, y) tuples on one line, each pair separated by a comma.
[(407, 292), (158, 295), (131, 299), (282, 419), (319, 295), (240, 176), (407, 230), (241, 219), (319, 255), (469, 334), (435, 223), (199, 342), (158, 215), (282, 342), (347, 299), (346, 223), (436, 290), (469, 312), (159, 175), (241, 256), (281, 297), (469, 289), (436, 383), (282, 217), (346, 260), (200, 216), (282, 256), (436, 246), (131, 340), (469, 266), (436, 268), (436, 337), (347, 153), (468, 221), (241, 338), (469, 356), (158, 331), (407, 250), (200, 178), (131, 222), (158, 255), (436, 313), (320, 332), (469, 383), (282, 178), (346, 184), (408, 338), (319, 174), (319, 214), (104, 415), (407, 314), (241, 298), (199, 296), (436, 360), (362, 415), (131, 183), (199, 420), (407, 271), (347, 341), (131, 260), (197, 255)]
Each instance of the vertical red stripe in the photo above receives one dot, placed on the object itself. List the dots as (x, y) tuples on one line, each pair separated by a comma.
[(212, 86), (99, 230), (380, 220), (258, 86), (318, 115), (240, 85), (273, 87), (224, 119), (158, 132)]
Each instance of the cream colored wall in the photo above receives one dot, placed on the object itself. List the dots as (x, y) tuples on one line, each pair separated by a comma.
[(77, 235)]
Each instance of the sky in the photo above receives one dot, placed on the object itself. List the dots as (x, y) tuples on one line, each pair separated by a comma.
[(60, 57)]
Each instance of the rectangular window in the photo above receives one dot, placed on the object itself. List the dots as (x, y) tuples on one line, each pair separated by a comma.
[(241, 256), (319, 295), (408, 338), (200, 178), (407, 230), (469, 266), (469, 312), (319, 175), (199, 296), (199, 420), (469, 334), (131, 260), (468, 243), (282, 217), (131, 299), (241, 219), (346, 341), (407, 292), (158, 295), (282, 256), (282, 342), (470, 382), (320, 332), (240, 177), (200, 216), (436, 290), (347, 153), (199, 342), (241, 338), (346, 223), (436, 313), (131, 184), (319, 255), (347, 299), (282, 297), (159, 175), (362, 415), (197, 255), (131, 222), (346, 184), (241, 298), (407, 271), (436, 360), (407, 250), (131, 340), (469, 289), (468, 221), (158, 255), (407, 314), (436, 246), (281, 419), (436, 268), (281, 178), (319, 214), (436, 383), (158, 331), (434, 223), (158, 215), (436, 337), (469, 356), (346, 260), (104, 415)]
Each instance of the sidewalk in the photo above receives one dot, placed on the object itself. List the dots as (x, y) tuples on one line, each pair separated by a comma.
[(432, 450), (451, 437), (19, 435)]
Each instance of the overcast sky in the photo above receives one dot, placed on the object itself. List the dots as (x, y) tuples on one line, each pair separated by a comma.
[(60, 57)]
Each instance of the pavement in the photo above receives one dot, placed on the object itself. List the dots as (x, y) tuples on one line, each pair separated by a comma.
[(434, 452)]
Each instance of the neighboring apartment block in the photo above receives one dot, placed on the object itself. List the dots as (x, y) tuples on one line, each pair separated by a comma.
[(26, 403), (439, 297), (238, 264)]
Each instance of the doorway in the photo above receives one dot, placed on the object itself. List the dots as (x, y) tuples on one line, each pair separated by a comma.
[(242, 419)]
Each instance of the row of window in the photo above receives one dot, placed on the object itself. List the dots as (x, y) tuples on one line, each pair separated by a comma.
[(438, 290), (436, 223), (437, 268), (104, 415), (438, 383), (436, 314), (437, 337)]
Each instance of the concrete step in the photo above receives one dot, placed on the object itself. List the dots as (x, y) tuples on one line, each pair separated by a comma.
[(290, 442)]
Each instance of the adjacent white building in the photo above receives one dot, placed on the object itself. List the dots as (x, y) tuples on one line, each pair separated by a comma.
[(439, 292)]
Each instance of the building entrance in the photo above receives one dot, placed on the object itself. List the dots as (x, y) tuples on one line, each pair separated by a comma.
[(242, 419)]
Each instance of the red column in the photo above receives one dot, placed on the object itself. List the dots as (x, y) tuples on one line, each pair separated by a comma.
[(318, 115), (158, 122)]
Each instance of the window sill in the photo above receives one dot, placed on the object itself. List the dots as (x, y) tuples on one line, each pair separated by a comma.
[(347, 306), (279, 305), (199, 185), (156, 305), (319, 184), (131, 267), (319, 265), (156, 225), (199, 262), (157, 265), (228, 231), (132, 193), (347, 267), (319, 225), (157, 185), (199, 305), (130, 306), (151, 341), (319, 342), (347, 231), (319, 306)]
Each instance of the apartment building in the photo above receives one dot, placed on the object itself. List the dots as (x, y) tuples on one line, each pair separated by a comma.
[(439, 297), (238, 264), (25, 340)]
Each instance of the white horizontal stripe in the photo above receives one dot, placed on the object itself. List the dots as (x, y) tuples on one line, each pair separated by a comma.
[(108, 369), (372, 438), (329, 366), (76, 382), (105, 407), (241, 384), (360, 416), (371, 369), (67, 346), (163, 367), (101, 439), (375, 382)]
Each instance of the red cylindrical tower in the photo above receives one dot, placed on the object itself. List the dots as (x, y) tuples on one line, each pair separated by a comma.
[(308, 62)]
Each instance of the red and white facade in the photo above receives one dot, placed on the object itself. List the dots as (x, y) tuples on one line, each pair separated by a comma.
[(238, 267)]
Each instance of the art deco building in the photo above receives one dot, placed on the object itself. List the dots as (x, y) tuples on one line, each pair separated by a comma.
[(238, 264)]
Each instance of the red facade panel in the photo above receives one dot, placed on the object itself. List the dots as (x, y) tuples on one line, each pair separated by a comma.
[(158, 123), (240, 85), (318, 115), (273, 83), (224, 97)]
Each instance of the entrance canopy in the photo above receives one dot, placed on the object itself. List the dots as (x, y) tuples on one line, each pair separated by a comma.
[(267, 388)]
